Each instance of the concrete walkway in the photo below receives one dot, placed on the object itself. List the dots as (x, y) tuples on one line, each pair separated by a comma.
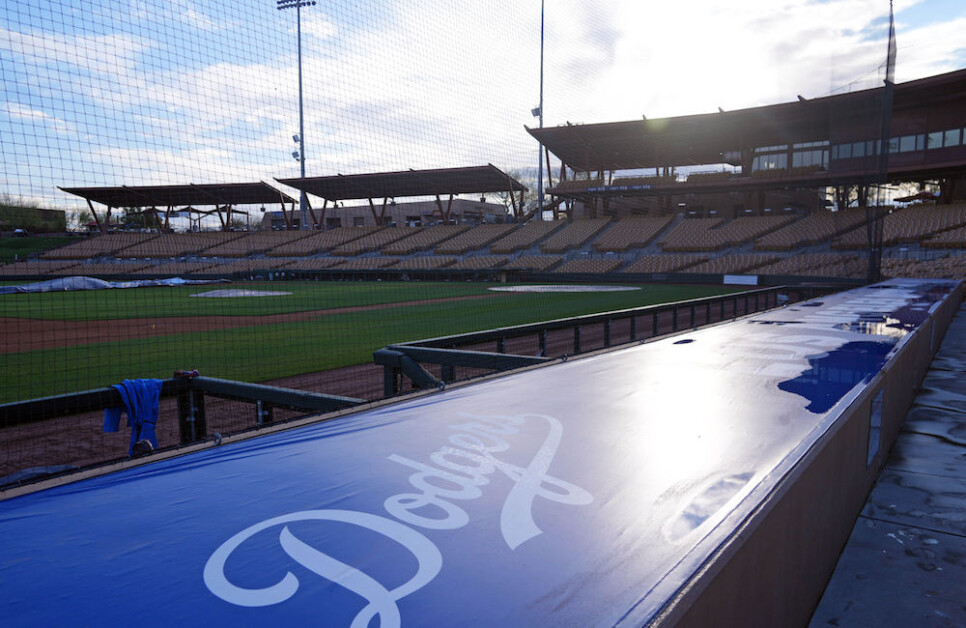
[(905, 563)]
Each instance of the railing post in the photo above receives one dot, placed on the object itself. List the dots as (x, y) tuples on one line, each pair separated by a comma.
[(633, 333), (654, 325), (577, 339), (607, 333), (501, 344), (390, 380), (674, 318), (191, 416), (263, 413), (542, 341), (694, 320)]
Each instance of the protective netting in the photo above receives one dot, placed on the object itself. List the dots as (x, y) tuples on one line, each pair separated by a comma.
[(126, 96)]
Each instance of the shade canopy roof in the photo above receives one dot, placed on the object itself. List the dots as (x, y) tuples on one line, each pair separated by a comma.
[(178, 195), (708, 138), (471, 180)]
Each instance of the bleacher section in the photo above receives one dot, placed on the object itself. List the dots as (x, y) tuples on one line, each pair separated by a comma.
[(316, 263), (524, 237), (322, 242), (630, 233), (664, 263), (588, 266), (475, 238), (374, 241), (951, 267), (481, 262), (177, 269), (951, 239), (256, 243), (38, 268), (691, 234), (98, 246), (534, 262), (734, 264), (785, 246), (366, 263), (908, 225), (108, 269), (428, 262), (244, 266), (714, 234), (428, 238), (574, 235), (814, 228), (177, 245)]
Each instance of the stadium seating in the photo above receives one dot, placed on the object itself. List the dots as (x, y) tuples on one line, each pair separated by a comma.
[(322, 242), (573, 235), (426, 262), (427, 238), (731, 264), (692, 234), (178, 244), (951, 239), (534, 262), (366, 263), (53, 268), (911, 224), (178, 269), (256, 243), (951, 267), (246, 266), (664, 263), (374, 241), (480, 262), (98, 246), (591, 266), (315, 263), (630, 233), (476, 238), (524, 237), (107, 269), (816, 227)]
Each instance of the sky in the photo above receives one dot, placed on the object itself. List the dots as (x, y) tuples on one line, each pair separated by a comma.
[(117, 92)]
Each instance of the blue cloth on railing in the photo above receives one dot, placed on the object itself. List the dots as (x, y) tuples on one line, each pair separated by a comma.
[(142, 399)]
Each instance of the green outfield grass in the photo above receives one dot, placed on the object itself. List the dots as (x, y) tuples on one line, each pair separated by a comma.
[(266, 352)]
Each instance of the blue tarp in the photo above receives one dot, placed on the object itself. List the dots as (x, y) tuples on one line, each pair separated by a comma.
[(585, 493)]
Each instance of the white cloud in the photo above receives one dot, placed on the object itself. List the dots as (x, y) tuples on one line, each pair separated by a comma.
[(425, 84)]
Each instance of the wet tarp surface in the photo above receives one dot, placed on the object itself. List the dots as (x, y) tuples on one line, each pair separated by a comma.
[(580, 494)]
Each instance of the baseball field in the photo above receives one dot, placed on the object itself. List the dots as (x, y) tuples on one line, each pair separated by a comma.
[(61, 342)]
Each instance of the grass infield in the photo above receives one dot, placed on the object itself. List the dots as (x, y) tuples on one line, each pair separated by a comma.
[(260, 352)]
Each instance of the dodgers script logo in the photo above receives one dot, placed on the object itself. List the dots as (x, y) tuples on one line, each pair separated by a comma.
[(461, 468)]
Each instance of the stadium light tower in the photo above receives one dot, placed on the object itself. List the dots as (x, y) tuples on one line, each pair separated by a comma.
[(540, 107), (303, 201)]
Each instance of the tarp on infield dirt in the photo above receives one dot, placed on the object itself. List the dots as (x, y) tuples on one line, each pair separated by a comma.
[(583, 493), (91, 283)]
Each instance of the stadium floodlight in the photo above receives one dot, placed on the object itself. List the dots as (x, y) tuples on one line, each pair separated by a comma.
[(300, 138), (295, 155), (295, 138), (535, 112)]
